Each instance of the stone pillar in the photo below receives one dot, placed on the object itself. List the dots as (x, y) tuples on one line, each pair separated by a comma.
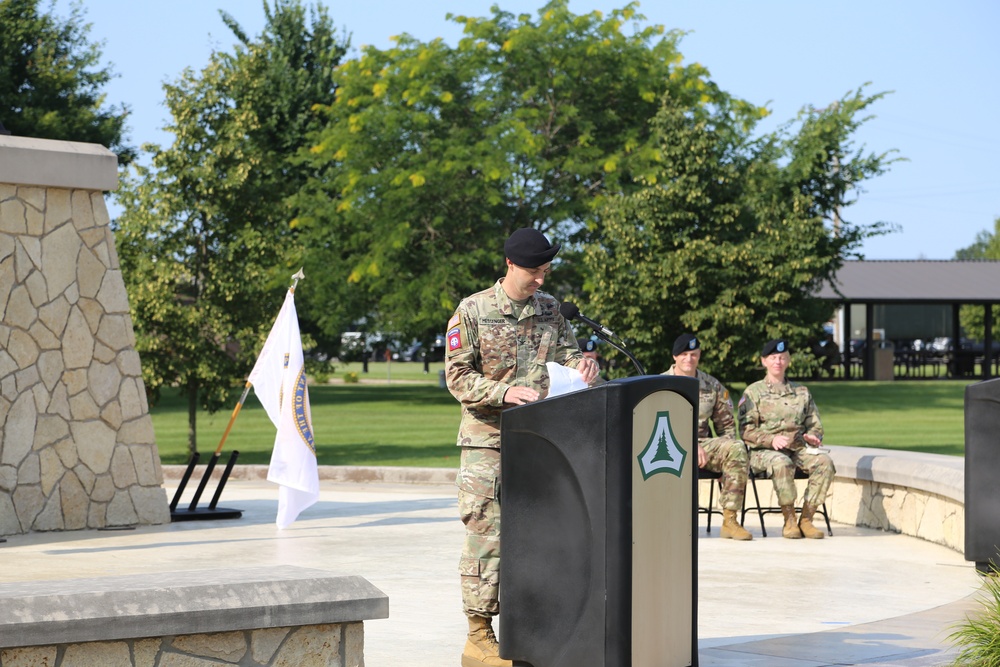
[(77, 448)]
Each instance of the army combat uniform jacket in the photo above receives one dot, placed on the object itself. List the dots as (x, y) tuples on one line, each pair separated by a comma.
[(715, 407), (489, 349), (768, 410)]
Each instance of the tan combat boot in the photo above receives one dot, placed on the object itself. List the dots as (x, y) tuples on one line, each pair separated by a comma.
[(806, 523), (731, 528), (481, 649), (791, 529)]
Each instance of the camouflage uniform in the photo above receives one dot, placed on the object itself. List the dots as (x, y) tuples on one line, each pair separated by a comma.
[(768, 410), (726, 454), (489, 349)]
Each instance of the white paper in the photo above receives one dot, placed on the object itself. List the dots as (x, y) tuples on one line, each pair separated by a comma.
[(563, 379)]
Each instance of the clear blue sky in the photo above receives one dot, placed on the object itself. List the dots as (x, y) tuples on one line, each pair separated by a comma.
[(939, 58)]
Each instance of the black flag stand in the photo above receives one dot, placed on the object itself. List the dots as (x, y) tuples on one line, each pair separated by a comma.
[(195, 513)]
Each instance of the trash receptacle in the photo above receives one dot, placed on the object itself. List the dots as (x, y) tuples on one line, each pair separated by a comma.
[(982, 470), (884, 358), (441, 381)]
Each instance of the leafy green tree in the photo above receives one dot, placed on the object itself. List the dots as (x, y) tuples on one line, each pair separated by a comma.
[(973, 318), (733, 236), (436, 153), (51, 79), (205, 235)]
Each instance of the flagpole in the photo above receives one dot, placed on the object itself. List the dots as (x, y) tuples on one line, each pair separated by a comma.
[(246, 389)]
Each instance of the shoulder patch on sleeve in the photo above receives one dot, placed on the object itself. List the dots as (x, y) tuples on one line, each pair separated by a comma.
[(453, 322), (454, 339)]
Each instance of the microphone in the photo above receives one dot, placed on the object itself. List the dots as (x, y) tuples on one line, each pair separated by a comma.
[(571, 312)]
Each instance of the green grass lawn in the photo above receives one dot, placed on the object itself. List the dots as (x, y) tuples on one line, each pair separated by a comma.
[(399, 416)]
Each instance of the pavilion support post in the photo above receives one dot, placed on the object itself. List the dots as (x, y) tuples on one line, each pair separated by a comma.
[(988, 342)]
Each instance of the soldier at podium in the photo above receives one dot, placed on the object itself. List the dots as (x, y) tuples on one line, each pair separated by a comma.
[(724, 453), (498, 343)]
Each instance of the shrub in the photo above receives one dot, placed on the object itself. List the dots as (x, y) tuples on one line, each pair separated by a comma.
[(350, 378), (979, 636)]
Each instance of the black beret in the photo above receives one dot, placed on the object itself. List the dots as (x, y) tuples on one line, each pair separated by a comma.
[(772, 346), (529, 248), (684, 343), (587, 344)]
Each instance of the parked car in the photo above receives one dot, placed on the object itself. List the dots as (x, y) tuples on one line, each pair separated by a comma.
[(357, 345), (416, 351)]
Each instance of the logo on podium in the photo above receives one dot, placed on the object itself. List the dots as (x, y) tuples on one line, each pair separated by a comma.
[(662, 453)]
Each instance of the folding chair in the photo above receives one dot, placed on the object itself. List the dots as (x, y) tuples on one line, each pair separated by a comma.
[(761, 511), (715, 478)]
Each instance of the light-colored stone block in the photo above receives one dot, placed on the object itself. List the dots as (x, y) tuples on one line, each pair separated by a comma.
[(37, 290), (9, 524), (54, 315), (60, 250), (227, 646), (75, 502), (78, 342), (103, 381), (83, 210), (52, 469), (51, 517), (93, 654), (29, 656), (121, 511), (264, 642), (20, 312), (95, 443), (311, 646), (122, 469), (19, 430), (44, 337), (146, 651), (354, 645), (150, 504), (90, 274), (112, 295), (12, 217)]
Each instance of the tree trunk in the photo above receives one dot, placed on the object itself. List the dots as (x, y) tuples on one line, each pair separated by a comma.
[(192, 394)]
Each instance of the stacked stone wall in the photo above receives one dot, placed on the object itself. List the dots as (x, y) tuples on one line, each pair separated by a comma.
[(77, 448), (319, 645)]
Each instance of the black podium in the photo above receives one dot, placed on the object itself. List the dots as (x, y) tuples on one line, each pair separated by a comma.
[(598, 500), (982, 469)]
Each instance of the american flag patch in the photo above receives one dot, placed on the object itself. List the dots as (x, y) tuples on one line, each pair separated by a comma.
[(454, 321)]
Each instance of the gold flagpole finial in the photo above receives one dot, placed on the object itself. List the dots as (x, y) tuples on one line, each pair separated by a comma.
[(296, 278)]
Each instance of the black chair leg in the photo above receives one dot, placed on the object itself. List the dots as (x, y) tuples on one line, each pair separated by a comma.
[(760, 511), (826, 517), (711, 496)]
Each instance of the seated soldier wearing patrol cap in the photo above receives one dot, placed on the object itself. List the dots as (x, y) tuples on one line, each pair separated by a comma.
[(780, 424), (723, 453), (498, 343)]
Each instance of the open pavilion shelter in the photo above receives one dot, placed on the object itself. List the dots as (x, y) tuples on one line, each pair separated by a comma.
[(901, 318)]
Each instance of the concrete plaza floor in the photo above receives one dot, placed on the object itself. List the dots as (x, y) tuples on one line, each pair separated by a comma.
[(862, 597)]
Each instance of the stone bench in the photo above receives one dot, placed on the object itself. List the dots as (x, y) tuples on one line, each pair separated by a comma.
[(274, 616)]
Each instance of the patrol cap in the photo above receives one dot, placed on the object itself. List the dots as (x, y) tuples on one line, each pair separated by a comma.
[(586, 344), (528, 247), (777, 345), (685, 343)]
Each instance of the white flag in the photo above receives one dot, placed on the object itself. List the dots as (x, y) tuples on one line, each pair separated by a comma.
[(279, 380)]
